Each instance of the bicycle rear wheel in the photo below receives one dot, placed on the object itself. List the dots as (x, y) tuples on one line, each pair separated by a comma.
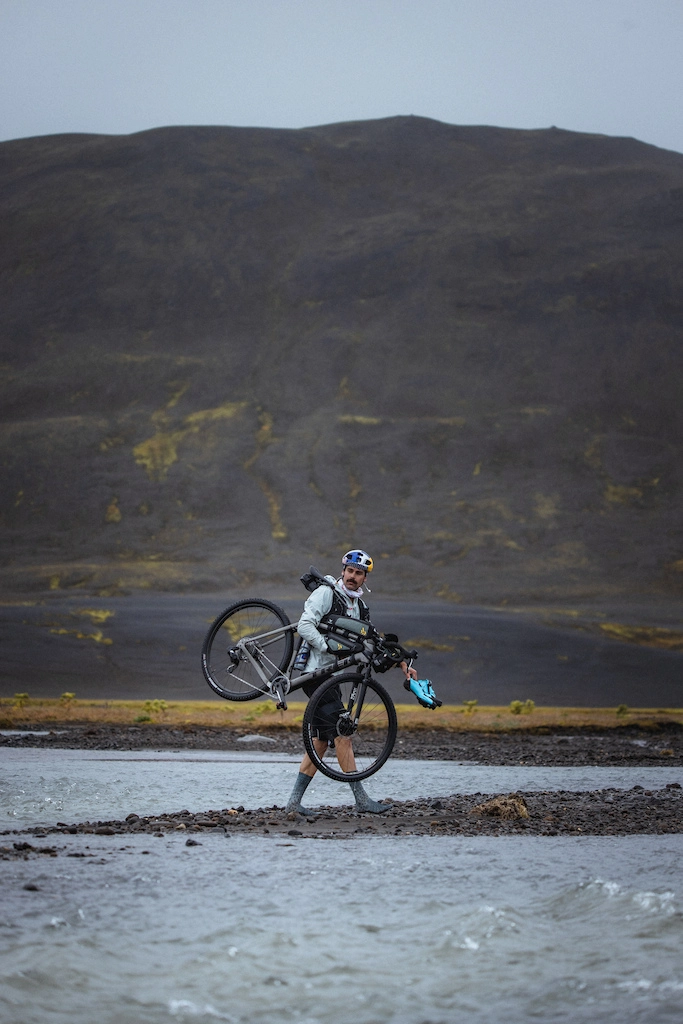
[(226, 669), (331, 712)]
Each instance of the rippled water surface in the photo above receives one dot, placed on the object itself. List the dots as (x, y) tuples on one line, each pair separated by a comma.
[(407, 931), (44, 786)]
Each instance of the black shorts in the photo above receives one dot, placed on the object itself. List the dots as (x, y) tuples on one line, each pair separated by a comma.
[(324, 726)]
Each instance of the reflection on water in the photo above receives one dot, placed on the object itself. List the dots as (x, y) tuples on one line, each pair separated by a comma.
[(370, 930)]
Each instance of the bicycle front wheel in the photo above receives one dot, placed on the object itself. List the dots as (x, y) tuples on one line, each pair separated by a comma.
[(226, 668), (359, 717)]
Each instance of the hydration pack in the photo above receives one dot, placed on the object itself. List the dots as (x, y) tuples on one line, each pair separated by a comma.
[(314, 579)]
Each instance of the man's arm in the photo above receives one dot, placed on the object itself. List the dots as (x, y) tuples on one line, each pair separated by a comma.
[(317, 605)]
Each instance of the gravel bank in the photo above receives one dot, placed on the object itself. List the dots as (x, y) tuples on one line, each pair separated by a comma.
[(617, 747), (599, 813)]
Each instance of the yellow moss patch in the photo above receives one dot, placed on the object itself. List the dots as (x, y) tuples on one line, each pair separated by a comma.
[(227, 411), (424, 644), (593, 455), (158, 453), (363, 421), (96, 615), (545, 506), (355, 487), (646, 636), (98, 636), (264, 437), (113, 513), (277, 527), (618, 495)]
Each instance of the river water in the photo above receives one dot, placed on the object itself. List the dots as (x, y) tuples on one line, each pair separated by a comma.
[(41, 786), (376, 930), (381, 930)]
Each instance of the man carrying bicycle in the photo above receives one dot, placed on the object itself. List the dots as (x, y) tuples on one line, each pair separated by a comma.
[(343, 596)]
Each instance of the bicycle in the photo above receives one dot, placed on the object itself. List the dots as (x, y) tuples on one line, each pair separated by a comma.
[(249, 652)]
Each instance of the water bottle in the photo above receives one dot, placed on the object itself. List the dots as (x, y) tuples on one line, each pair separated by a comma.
[(302, 657)]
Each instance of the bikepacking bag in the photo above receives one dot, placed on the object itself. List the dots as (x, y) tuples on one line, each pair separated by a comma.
[(345, 635), (313, 579), (350, 629)]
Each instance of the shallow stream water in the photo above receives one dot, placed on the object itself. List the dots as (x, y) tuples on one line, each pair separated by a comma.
[(40, 787)]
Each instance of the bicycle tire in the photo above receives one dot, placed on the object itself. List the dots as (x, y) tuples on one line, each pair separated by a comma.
[(374, 738), (235, 678)]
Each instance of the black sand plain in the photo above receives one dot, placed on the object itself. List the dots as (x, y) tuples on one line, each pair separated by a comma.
[(147, 646)]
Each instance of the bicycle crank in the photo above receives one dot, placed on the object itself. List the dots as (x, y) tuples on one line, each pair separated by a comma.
[(279, 687)]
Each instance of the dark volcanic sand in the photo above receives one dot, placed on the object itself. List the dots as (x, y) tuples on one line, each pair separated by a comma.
[(601, 812), (627, 746)]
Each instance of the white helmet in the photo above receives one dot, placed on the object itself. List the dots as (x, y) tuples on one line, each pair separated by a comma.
[(358, 558)]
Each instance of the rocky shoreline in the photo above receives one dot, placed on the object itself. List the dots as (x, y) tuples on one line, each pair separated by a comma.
[(627, 745), (600, 812), (607, 812)]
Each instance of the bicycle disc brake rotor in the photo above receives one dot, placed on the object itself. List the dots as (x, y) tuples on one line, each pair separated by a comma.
[(345, 725)]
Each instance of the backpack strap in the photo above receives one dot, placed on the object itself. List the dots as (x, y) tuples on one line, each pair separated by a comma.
[(339, 606), (314, 579)]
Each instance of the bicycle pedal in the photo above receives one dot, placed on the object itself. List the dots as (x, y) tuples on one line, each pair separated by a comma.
[(282, 706)]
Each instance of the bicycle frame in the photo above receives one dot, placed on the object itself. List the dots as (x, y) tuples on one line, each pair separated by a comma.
[(279, 684)]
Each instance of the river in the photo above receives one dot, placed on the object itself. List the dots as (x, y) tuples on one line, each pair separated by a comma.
[(384, 930)]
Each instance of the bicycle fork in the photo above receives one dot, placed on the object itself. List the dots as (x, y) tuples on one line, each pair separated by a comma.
[(355, 706)]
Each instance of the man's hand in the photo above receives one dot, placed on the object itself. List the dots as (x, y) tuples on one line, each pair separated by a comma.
[(409, 673)]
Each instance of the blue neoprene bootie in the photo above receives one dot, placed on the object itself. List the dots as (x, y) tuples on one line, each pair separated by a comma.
[(424, 691)]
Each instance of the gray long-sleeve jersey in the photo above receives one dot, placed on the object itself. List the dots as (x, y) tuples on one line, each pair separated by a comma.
[(317, 605)]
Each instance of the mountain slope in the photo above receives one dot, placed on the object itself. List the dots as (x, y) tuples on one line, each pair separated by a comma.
[(229, 352)]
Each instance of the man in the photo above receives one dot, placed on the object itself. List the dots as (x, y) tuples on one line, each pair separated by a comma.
[(346, 595)]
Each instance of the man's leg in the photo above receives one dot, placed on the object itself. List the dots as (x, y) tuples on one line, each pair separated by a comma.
[(347, 763), (306, 772)]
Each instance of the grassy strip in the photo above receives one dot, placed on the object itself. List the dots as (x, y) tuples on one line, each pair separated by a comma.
[(21, 711)]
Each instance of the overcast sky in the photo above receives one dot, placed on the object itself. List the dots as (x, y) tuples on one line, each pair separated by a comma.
[(119, 66)]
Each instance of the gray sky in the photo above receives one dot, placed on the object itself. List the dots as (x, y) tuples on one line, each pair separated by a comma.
[(118, 66)]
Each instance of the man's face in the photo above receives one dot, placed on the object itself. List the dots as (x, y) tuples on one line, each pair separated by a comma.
[(353, 577)]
